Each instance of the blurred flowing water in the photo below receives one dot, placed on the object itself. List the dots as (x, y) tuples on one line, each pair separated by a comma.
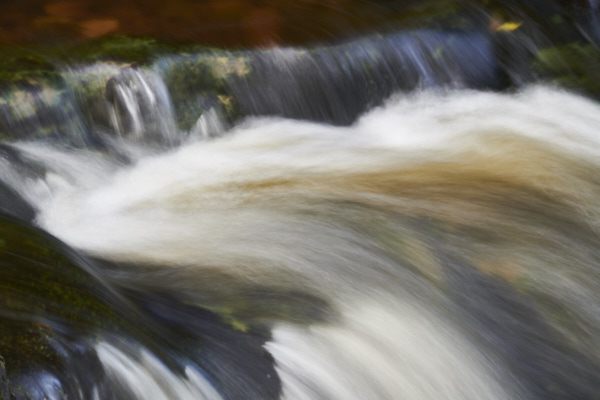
[(410, 215)]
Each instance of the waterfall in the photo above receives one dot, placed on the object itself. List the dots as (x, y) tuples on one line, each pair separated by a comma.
[(405, 215), (198, 95)]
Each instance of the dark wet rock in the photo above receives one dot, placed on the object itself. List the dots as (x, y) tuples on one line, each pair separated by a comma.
[(42, 364), (55, 306), (4, 384), (13, 204), (51, 303), (235, 359)]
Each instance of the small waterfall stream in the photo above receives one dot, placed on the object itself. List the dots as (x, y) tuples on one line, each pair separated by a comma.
[(183, 95)]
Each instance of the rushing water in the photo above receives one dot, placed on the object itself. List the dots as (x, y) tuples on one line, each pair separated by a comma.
[(375, 222)]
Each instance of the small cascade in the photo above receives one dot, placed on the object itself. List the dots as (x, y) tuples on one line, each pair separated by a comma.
[(159, 382), (594, 21), (139, 107), (123, 105), (103, 106), (586, 15), (198, 95), (336, 84), (209, 125), (330, 84)]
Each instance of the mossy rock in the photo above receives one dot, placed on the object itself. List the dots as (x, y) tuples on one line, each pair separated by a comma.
[(199, 82), (51, 305), (55, 306), (26, 66), (47, 282), (573, 66)]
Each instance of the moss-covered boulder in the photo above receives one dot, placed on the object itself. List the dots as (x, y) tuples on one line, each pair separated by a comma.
[(56, 306), (52, 304), (574, 66), (199, 83)]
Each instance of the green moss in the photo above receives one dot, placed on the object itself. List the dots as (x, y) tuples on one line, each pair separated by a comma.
[(43, 280), (31, 346), (199, 82), (573, 66), (41, 65), (26, 67)]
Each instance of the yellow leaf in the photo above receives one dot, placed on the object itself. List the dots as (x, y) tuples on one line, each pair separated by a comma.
[(508, 26)]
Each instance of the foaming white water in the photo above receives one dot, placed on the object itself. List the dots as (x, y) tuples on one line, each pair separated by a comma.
[(50, 173), (362, 217), (382, 351), (147, 378), (264, 163)]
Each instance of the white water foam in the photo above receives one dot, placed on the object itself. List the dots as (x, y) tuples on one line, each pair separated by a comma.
[(315, 208), (147, 378)]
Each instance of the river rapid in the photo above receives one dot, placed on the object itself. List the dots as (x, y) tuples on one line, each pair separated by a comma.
[(382, 219)]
